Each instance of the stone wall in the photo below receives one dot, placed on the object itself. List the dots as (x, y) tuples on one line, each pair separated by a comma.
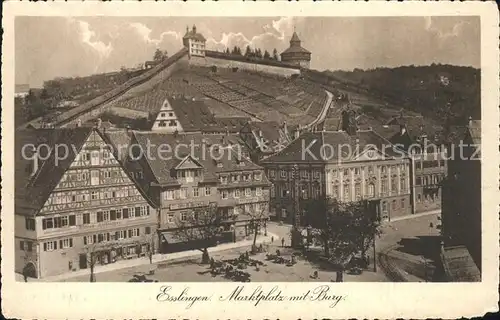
[(225, 63)]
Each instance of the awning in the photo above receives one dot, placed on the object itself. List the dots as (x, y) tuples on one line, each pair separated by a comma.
[(170, 238)]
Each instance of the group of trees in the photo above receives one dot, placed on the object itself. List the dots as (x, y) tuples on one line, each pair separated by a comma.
[(446, 93), (254, 53), (342, 228), (160, 55), (204, 226)]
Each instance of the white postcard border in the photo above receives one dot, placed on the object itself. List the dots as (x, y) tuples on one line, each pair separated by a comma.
[(363, 300)]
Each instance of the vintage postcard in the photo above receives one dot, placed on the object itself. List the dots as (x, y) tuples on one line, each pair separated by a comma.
[(250, 160)]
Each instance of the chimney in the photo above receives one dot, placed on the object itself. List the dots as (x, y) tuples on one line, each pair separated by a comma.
[(99, 123), (260, 134), (36, 164), (194, 28), (78, 123), (470, 121)]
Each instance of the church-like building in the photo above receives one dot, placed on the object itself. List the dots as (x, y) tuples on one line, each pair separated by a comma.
[(295, 54)]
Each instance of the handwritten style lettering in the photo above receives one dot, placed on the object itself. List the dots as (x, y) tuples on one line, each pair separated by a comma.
[(321, 294), (257, 295), (166, 295)]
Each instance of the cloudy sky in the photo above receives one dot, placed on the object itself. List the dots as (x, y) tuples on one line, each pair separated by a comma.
[(48, 47)]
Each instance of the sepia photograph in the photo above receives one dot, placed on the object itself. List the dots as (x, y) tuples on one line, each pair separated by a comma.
[(241, 149)]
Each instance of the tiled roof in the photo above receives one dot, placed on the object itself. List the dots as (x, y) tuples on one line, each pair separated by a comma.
[(459, 266), (316, 143), (194, 35), (331, 124), (32, 191), (163, 168), (229, 124), (295, 37), (295, 49)]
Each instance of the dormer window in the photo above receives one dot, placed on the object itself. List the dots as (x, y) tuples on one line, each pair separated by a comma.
[(257, 176), (162, 114), (219, 165), (223, 179)]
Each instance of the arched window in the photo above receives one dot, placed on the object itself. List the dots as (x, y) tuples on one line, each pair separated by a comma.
[(371, 190)]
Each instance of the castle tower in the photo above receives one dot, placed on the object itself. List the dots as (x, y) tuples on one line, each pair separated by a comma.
[(195, 42), (295, 54)]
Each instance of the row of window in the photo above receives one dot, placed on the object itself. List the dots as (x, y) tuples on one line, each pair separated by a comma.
[(117, 235), (85, 195), (169, 123), (245, 177), (94, 156), (88, 218), (53, 245), (184, 193), (237, 193), (429, 180), (249, 207), (91, 239), (85, 175), (431, 164), (432, 197), (394, 205), (370, 189), (335, 173)]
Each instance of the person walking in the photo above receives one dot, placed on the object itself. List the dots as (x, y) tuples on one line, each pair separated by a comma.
[(283, 242)]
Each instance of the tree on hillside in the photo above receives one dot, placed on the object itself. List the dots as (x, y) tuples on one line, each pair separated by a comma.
[(275, 54), (227, 51), (267, 55), (202, 226), (236, 51), (160, 55), (258, 53), (258, 218)]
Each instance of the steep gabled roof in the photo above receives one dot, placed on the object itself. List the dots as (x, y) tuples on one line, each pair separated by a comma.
[(32, 191), (163, 163)]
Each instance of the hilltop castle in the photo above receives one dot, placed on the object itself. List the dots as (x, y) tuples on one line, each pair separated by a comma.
[(295, 55)]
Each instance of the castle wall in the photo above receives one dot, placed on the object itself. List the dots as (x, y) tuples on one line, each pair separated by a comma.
[(132, 92), (224, 63)]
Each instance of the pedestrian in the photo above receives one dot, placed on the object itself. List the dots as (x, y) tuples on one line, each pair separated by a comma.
[(283, 242), (272, 239)]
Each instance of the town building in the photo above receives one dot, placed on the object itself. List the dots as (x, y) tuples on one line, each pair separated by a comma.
[(76, 203), (461, 207), (264, 138), (343, 166), (194, 42), (295, 54), (200, 171), (427, 154), (181, 114)]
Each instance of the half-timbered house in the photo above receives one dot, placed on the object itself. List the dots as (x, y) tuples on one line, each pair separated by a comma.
[(76, 203)]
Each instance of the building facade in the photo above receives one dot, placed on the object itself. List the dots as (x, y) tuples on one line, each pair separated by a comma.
[(85, 205), (201, 177), (367, 173), (195, 42)]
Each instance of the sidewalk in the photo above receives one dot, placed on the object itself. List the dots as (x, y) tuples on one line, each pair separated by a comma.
[(416, 215), (157, 258)]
